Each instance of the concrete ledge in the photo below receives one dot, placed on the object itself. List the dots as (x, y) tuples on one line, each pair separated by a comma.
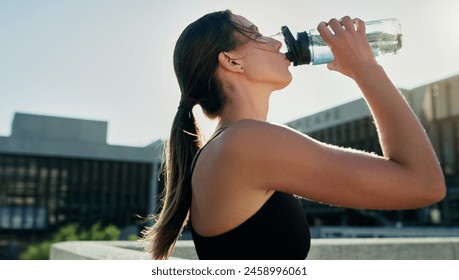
[(98, 250), (113, 250), (442, 248)]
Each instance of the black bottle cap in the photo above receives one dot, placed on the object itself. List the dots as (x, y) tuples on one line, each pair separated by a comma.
[(298, 50)]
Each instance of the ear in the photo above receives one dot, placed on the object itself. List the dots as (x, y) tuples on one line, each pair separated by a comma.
[(228, 63)]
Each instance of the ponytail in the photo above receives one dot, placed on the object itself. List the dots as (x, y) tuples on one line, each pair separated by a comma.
[(182, 146), (195, 64)]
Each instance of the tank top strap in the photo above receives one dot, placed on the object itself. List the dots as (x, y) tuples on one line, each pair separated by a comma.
[(215, 135)]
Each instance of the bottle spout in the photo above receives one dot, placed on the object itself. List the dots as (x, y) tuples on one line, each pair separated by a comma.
[(298, 50), (289, 56), (292, 45)]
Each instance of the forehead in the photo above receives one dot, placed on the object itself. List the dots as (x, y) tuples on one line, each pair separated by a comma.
[(240, 20)]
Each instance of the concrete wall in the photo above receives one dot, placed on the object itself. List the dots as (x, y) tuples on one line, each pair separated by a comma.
[(98, 250), (444, 248)]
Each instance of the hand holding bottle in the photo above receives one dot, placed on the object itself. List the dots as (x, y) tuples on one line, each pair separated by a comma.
[(348, 43)]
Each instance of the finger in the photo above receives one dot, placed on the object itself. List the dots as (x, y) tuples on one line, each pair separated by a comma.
[(332, 66), (359, 25), (347, 22), (325, 32), (335, 26)]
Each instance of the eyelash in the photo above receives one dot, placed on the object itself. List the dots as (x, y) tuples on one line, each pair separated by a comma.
[(258, 36)]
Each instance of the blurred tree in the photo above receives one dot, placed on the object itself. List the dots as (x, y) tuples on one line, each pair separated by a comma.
[(70, 232)]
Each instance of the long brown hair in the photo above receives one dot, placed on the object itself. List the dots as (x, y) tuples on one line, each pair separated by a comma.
[(195, 63)]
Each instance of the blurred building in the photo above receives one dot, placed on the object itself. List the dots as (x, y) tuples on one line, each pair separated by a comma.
[(55, 171), (350, 125)]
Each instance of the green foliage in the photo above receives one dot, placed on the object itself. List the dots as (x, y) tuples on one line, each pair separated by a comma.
[(67, 233), (39, 251), (97, 233), (70, 232), (132, 237)]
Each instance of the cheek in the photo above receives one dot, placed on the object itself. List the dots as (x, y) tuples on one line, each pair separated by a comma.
[(267, 68)]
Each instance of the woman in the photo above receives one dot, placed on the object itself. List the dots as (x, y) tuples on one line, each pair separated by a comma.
[(237, 192)]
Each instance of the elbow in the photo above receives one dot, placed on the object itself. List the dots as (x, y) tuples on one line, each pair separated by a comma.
[(440, 192), (437, 195), (433, 190)]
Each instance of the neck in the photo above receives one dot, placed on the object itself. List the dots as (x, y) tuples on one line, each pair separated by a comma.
[(244, 105)]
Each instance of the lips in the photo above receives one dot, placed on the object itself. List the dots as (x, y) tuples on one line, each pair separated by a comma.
[(287, 60)]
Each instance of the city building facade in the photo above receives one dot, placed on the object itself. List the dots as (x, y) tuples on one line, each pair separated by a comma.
[(55, 171)]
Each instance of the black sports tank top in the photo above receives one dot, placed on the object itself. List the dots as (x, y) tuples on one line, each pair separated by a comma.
[(278, 231)]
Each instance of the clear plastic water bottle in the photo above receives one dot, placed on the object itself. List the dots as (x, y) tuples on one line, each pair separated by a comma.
[(384, 36)]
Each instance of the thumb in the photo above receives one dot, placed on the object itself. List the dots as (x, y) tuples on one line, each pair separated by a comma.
[(333, 66)]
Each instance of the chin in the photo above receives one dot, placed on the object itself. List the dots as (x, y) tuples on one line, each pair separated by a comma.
[(285, 82), (281, 86)]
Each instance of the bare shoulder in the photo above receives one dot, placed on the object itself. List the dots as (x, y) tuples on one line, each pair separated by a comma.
[(263, 153), (252, 135)]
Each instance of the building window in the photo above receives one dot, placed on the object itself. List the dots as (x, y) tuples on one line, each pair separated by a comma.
[(45, 192)]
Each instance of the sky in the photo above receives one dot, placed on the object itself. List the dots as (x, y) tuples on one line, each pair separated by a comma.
[(111, 60)]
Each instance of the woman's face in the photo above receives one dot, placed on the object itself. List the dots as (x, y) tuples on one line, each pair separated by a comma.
[(261, 57)]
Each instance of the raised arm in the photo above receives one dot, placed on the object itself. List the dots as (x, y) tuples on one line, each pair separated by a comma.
[(406, 176), (403, 139)]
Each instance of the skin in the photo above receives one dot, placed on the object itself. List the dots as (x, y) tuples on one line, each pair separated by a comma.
[(238, 171)]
